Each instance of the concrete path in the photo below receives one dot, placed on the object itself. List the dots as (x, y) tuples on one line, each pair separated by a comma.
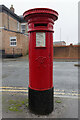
[(15, 105)]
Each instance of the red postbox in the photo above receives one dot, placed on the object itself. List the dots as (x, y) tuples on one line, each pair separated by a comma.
[(40, 28)]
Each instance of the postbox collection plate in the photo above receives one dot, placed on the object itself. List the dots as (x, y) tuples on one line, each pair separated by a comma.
[(40, 39)]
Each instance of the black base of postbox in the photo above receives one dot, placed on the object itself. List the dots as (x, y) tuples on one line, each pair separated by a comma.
[(41, 102)]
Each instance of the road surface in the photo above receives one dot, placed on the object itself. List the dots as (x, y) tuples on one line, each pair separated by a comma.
[(15, 73), (15, 80)]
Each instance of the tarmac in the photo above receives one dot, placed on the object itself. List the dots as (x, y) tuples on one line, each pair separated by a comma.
[(15, 104)]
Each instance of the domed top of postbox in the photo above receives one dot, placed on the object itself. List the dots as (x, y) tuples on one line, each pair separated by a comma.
[(40, 12)]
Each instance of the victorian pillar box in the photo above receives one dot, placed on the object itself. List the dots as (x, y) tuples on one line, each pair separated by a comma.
[(40, 28)]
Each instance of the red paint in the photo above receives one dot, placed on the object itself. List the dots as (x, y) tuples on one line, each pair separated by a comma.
[(41, 58)]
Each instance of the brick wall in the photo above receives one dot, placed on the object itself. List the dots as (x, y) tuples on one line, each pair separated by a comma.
[(11, 30), (10, 23), (22, 43), (71, 52), (0, 19), (0, 31)]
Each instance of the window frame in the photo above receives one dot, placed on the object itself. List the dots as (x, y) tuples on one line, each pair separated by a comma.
[(23, 24), (18, 28), (12, 38)]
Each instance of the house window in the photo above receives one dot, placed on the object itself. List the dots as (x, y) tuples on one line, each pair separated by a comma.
[(13, 41), (18, 26), (27, 28), (23, 28)]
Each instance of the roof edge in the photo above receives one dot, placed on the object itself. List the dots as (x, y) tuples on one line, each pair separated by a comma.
[(3, 8)]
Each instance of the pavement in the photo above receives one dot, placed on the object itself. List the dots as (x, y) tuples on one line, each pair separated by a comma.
[(15, 105), (67, 108)]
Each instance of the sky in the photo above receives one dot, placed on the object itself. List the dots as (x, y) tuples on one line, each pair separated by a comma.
[(67, 24)]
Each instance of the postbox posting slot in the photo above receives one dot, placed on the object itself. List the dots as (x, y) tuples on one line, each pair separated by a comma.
[(40, 24), (40, 39)]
